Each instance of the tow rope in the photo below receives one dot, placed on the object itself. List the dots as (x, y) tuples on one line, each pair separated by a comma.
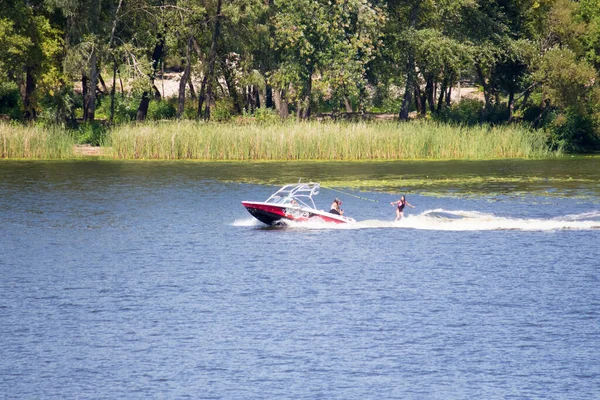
[(350, 194)]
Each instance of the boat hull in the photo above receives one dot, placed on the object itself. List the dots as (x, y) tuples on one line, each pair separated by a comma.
[(272, 214)]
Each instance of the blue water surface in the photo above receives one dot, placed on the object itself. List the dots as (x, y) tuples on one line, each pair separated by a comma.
[(133, 280)]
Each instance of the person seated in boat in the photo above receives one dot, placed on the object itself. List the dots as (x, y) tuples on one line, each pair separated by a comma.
[(400, 209), (289, 200), (335, 207)]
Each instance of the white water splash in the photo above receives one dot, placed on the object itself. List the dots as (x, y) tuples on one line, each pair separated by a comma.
[(440, 219), (445, 220), (247, 222)]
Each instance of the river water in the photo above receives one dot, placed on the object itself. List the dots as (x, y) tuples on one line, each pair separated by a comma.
[(150, 280)]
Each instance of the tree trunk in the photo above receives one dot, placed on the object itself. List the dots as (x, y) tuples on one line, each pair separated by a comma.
[(89, 111), (253, 98), (84, 91), (511, 106), (262, 97), (348, 105), (410, 67), (191, 87), (28, 104), (115, 66), (429, 93), (183, 81), (121, 84), (233, 93), (442, 94), (143, 108), (104, 88), (201, 96), (269, 97), (284, 110), (407, 90), (112, 92), (543, 106), (157, 95), (406, 101), (156, 59), (525, 99), (304, 103), (418, 103), (281, 104), (277, 99), (211, 61), (484, 84), (114, 26)]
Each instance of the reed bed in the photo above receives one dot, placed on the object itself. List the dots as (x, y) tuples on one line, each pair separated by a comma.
[(18, 141), (323, 141)]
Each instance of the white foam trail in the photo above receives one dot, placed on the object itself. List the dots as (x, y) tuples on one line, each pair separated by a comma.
[(592, 215), (476, 221), (247, 222), (461, 220)]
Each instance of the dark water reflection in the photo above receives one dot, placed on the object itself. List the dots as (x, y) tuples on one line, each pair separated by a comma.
[(149, 280)]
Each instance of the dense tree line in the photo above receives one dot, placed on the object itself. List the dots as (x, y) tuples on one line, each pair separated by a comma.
[(535, 61)]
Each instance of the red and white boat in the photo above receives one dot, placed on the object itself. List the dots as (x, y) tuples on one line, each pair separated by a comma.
[(292, 203)]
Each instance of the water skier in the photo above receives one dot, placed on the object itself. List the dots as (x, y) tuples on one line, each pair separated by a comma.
[(400, 209)]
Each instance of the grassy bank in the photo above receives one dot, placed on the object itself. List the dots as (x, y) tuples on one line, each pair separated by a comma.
[(17, 141), (323, 141), (284, 141)]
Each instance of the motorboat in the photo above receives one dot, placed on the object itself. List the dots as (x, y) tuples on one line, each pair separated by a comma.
[(293, 202)]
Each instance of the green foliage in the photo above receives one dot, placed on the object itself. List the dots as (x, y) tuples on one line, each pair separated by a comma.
[(14, 45), (223, 111), (190, 110), (466, 112), (59, 106), (90, 133), (537, 61), (566, 80), (265, 115), (10, 101), (161, 109), (125, 109), (573, 132)]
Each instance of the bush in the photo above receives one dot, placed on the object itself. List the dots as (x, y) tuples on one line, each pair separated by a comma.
[(161, 109), (58, 107), (466, 112), (266, 115), (190, 110), (10, 100), (223, 111), (90, 133), (125, 109), (573, 132)]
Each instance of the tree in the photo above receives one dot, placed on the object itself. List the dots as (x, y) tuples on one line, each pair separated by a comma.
[(30, 51), (334, 40)]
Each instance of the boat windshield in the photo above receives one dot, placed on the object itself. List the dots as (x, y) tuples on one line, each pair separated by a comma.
[(299, 194)]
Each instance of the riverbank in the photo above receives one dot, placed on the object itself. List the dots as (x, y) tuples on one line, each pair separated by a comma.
[(171, 140)]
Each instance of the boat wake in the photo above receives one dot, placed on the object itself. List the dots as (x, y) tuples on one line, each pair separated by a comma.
[(445, 220), (440, 219)]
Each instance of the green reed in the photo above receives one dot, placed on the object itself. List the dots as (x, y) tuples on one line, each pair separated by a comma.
[(323, 141), (18, 141)]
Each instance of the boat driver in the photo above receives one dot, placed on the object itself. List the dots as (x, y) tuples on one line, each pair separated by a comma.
[(335, 207)]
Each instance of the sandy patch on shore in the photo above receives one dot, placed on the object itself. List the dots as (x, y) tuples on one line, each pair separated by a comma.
[(87, 150)]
